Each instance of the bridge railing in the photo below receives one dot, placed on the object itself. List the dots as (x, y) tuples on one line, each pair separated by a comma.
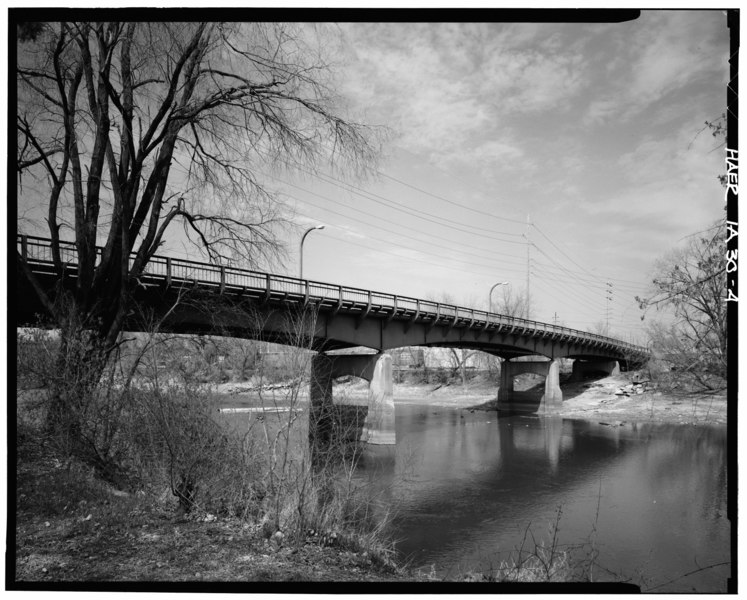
[(38, 250)]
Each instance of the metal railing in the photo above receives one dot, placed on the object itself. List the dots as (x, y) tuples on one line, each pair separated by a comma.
[(37, 250)]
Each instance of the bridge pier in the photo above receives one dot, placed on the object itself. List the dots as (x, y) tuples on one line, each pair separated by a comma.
[(552, 398), (378, 427), (581, 368)]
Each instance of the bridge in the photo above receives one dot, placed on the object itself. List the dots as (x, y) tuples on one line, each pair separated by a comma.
[(331, 319)]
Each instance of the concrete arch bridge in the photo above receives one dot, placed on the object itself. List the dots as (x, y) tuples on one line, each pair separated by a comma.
[(203, 298)]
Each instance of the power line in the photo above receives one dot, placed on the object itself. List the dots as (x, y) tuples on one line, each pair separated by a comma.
[(600, 280), (466, 182), (542, 233), (585, 277), (570, 274), (357, 210), (567, 291), (588, 283), (419, 241), (450, 223), (423, 215), (399, 256), (457, 204)]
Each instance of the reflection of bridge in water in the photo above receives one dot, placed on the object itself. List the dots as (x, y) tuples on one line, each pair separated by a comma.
[(465, 484), (193, 297)]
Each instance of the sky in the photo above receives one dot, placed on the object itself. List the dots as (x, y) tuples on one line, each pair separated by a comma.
[(581, 143), (569, 157)]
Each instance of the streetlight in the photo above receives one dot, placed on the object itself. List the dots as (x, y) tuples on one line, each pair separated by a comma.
[(490, 295), (300, 252)]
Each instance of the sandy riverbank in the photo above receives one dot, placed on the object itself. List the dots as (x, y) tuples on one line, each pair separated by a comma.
[(592, 400)]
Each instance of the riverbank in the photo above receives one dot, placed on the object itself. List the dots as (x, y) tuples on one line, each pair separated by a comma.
[(131, 540), (601, 400), (72, 528), (609, 399)]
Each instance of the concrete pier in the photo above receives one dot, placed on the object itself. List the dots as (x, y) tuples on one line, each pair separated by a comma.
[(378, 427), (552, 398)]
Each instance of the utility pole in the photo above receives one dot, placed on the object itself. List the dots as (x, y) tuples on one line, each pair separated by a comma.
[(609, 298), (528, 246), (555, 319)]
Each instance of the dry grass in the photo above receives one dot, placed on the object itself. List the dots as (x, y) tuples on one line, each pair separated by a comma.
[(72, 527)]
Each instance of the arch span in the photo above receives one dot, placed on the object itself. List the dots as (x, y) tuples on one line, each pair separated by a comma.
[(552, 398)]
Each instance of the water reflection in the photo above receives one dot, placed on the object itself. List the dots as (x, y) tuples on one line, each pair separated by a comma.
[(465, 486)]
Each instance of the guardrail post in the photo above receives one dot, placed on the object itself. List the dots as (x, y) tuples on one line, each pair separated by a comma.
[(24, 247), (339, 300), (168, 271), (266, 297)]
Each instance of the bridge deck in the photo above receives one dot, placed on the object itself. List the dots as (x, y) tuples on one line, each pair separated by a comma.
[(274, 288)]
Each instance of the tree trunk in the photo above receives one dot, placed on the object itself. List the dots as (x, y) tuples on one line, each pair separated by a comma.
[(73, 417)]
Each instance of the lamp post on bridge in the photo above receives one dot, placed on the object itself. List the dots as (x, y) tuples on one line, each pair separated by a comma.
[(300, 252), (490, 295)]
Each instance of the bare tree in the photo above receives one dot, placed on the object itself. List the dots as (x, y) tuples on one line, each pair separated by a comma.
[(600, 328), (691, 281), (512, 303), (126, 129)]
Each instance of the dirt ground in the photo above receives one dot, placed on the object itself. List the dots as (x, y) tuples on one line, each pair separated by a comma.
[(594, 400)]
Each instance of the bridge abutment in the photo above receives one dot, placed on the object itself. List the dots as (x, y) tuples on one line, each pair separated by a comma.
[(378, 427), (582, 368), (552, 398)]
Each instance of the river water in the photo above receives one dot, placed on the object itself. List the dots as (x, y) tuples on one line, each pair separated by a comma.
[(467, 488)]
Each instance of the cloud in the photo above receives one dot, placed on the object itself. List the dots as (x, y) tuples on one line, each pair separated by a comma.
[(528, 81), (669, 51), (486, 157), (682, 157), (441, 86)]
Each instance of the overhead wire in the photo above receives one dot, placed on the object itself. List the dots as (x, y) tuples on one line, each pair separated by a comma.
[(379, 199), (542, 233), (462, 206), (627, 283), (592, 284), (326, 178), (561, 267), (461, 269), (420, 251), (566, 291), (363, 212), (594, 277), (450, 223), (574, 304)]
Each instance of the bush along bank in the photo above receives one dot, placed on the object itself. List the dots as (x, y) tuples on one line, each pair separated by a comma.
[(73, 526), (144, 482)]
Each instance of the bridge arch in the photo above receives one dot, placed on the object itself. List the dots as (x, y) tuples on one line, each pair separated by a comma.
[(552, 397)]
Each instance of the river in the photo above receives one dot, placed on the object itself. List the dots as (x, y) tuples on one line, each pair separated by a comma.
[(467, 488)]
